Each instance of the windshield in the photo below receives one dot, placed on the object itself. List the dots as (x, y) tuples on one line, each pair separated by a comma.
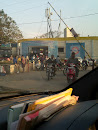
[(37, 48)]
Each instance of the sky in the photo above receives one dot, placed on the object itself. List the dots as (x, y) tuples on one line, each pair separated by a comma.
[(82, 15)]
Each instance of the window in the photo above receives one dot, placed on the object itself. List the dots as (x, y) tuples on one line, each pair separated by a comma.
[(61, 49)]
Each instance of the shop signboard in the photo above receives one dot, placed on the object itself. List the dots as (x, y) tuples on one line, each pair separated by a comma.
[(5, 45), (75, 47)]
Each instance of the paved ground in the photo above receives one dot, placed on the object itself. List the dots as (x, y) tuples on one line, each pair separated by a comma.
[(35, 81)]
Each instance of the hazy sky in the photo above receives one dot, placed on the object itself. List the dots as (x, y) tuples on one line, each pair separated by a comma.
[(82, 15)]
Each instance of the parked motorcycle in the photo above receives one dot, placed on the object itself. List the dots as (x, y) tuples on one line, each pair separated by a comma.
[(84, 66), (38, 65), (71, 73)]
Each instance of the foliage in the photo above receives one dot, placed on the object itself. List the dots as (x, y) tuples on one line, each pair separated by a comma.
[(9, 31)]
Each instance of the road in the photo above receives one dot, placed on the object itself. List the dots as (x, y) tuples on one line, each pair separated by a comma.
[(35, 81)]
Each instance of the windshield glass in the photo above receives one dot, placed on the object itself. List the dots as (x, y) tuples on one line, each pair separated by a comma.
[(37, 47)]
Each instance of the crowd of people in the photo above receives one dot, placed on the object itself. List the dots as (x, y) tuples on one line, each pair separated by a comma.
[(19, 61), (22, 61), (40, 61)]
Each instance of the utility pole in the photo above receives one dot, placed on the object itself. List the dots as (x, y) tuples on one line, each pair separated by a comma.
[(60, 21), (59, 27), (48, 16)]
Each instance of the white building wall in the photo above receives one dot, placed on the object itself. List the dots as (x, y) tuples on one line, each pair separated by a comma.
[(67, 33), (19, 47), (91, 47), (14, 51), (95, 49), (61, 44)]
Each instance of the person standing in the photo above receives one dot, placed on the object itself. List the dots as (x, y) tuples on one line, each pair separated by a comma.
[(27, 61), (58, 60), (15, 63), (23, 62), (84, 63), (42, 62), (15, 60), (19, 63), (11, 58)]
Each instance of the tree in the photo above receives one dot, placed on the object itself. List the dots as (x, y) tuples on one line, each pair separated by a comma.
[(9, 31)]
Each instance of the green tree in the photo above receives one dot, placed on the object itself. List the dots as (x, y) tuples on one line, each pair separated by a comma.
[(9, 31)]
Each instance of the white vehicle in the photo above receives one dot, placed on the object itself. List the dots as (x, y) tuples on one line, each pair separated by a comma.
[(90, 62), (80, 59), (38, 65)]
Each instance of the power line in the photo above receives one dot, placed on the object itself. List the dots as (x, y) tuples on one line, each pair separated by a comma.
[(40, 27), (8, 5), (82, 16), (28, 9), (58, 19), (77, 16), (31, 23), (18, 2)]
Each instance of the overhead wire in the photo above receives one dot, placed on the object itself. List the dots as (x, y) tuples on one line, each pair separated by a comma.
[(18, 2), (78, 16), (40, 27), (31, 22), (58, 19), (41, 23), (82, 16), (8, 5), (28, 9)]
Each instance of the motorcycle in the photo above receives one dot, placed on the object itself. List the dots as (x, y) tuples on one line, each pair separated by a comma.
[(60, 66), (71, 73), (65, 70), (84, 66), (50, 71), (38, 65)]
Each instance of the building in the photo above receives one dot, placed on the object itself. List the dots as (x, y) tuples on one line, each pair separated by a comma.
[(60, 46), (67, 33), (70, 33), (89, 43), (37, 47)]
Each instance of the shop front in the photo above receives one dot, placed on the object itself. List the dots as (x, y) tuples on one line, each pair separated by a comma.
[(38, 50), (46, 48)]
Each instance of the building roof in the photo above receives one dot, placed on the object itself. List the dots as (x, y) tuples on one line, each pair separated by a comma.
[(60, 39)]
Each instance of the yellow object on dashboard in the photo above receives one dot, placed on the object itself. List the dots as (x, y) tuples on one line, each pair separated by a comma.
[(40, 103)]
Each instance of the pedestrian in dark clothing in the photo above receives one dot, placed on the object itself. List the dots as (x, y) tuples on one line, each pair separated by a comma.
[(42, 62), (84, 61), (15, 63), (15, 60), (23, 62)]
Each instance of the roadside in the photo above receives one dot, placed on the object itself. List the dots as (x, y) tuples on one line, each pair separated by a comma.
[(34, 81)]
